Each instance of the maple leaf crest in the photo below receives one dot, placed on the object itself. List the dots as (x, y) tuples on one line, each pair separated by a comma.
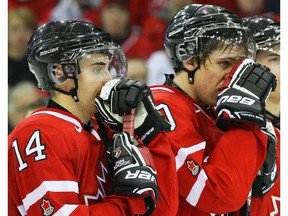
[(193, 167), (47, 207)]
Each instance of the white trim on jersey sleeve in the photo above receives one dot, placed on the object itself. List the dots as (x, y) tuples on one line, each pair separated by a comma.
[(161, 88), (65, 210), (48, 186), (95, 134), (197, 189), (62, 116), (22, 210), (184, 152), (199, 109)]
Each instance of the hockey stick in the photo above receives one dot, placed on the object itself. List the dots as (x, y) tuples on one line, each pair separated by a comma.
[(128, 122)]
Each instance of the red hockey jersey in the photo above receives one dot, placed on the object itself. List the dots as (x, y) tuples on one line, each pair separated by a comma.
[(56, 167), (269, 205), (209, 183)]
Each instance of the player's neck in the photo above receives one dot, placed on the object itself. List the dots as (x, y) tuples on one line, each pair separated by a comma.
[(181, 80), (73, 107), (273, 107)]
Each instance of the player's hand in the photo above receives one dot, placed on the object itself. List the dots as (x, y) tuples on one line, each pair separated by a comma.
[(132, 170), (244, 94), (119, 96)]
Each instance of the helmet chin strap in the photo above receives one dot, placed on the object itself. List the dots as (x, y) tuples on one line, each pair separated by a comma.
[(72, 92)]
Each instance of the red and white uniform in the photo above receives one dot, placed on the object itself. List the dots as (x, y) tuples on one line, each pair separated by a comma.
[(269, 205), (56, 167), (215, 169)]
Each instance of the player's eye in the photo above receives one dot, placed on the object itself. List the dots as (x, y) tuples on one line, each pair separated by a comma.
[(225, 64), (274, 59), (98, 69)]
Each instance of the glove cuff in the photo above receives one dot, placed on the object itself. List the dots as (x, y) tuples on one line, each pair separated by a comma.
[(147, 131)]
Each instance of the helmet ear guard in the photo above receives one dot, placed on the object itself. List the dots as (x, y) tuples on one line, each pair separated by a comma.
[(60, 73), (56, 73)]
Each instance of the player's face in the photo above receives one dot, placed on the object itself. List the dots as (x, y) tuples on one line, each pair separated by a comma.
[(94, 74), (210, 77), (115, 21), (272, 61), (18, 36)]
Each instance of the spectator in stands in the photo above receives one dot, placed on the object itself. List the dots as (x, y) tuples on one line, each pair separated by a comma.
[(23, 98), (21, 24), (41, 8), (245, 8), (249, 8), (115, 19), (158, 65), (137, 69), (76, 10), (67, 10)]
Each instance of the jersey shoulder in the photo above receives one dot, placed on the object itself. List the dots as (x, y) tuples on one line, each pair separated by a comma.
[(171, 96), (54, 127), (49, 119)]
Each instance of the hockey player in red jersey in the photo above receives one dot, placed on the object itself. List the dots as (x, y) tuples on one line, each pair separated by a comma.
[(266, 32), (57, 158), (218, 152)]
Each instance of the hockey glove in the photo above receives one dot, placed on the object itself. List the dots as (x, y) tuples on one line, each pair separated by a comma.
[(268, 173), (119, 96), (132, 170), (244, 94)]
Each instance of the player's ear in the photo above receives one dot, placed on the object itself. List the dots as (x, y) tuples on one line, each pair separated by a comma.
[(58, 74), (59, 71), (60, 79), (190, 64)]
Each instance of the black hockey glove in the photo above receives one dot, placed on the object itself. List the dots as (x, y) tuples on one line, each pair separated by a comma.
[(244, 95), (119, 96), (132, 170), (268, 173)]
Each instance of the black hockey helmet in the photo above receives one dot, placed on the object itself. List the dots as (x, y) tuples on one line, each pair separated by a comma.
[(63, 43), (266, 31), (194, 26)]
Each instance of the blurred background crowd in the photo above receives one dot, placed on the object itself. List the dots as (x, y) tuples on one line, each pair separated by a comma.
[(137, 25)]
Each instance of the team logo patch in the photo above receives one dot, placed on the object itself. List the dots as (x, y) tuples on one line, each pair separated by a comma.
[(193, 167), (117, 152), (47, 207)]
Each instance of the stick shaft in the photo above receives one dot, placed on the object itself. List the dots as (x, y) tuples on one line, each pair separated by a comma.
[(128, 122)]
